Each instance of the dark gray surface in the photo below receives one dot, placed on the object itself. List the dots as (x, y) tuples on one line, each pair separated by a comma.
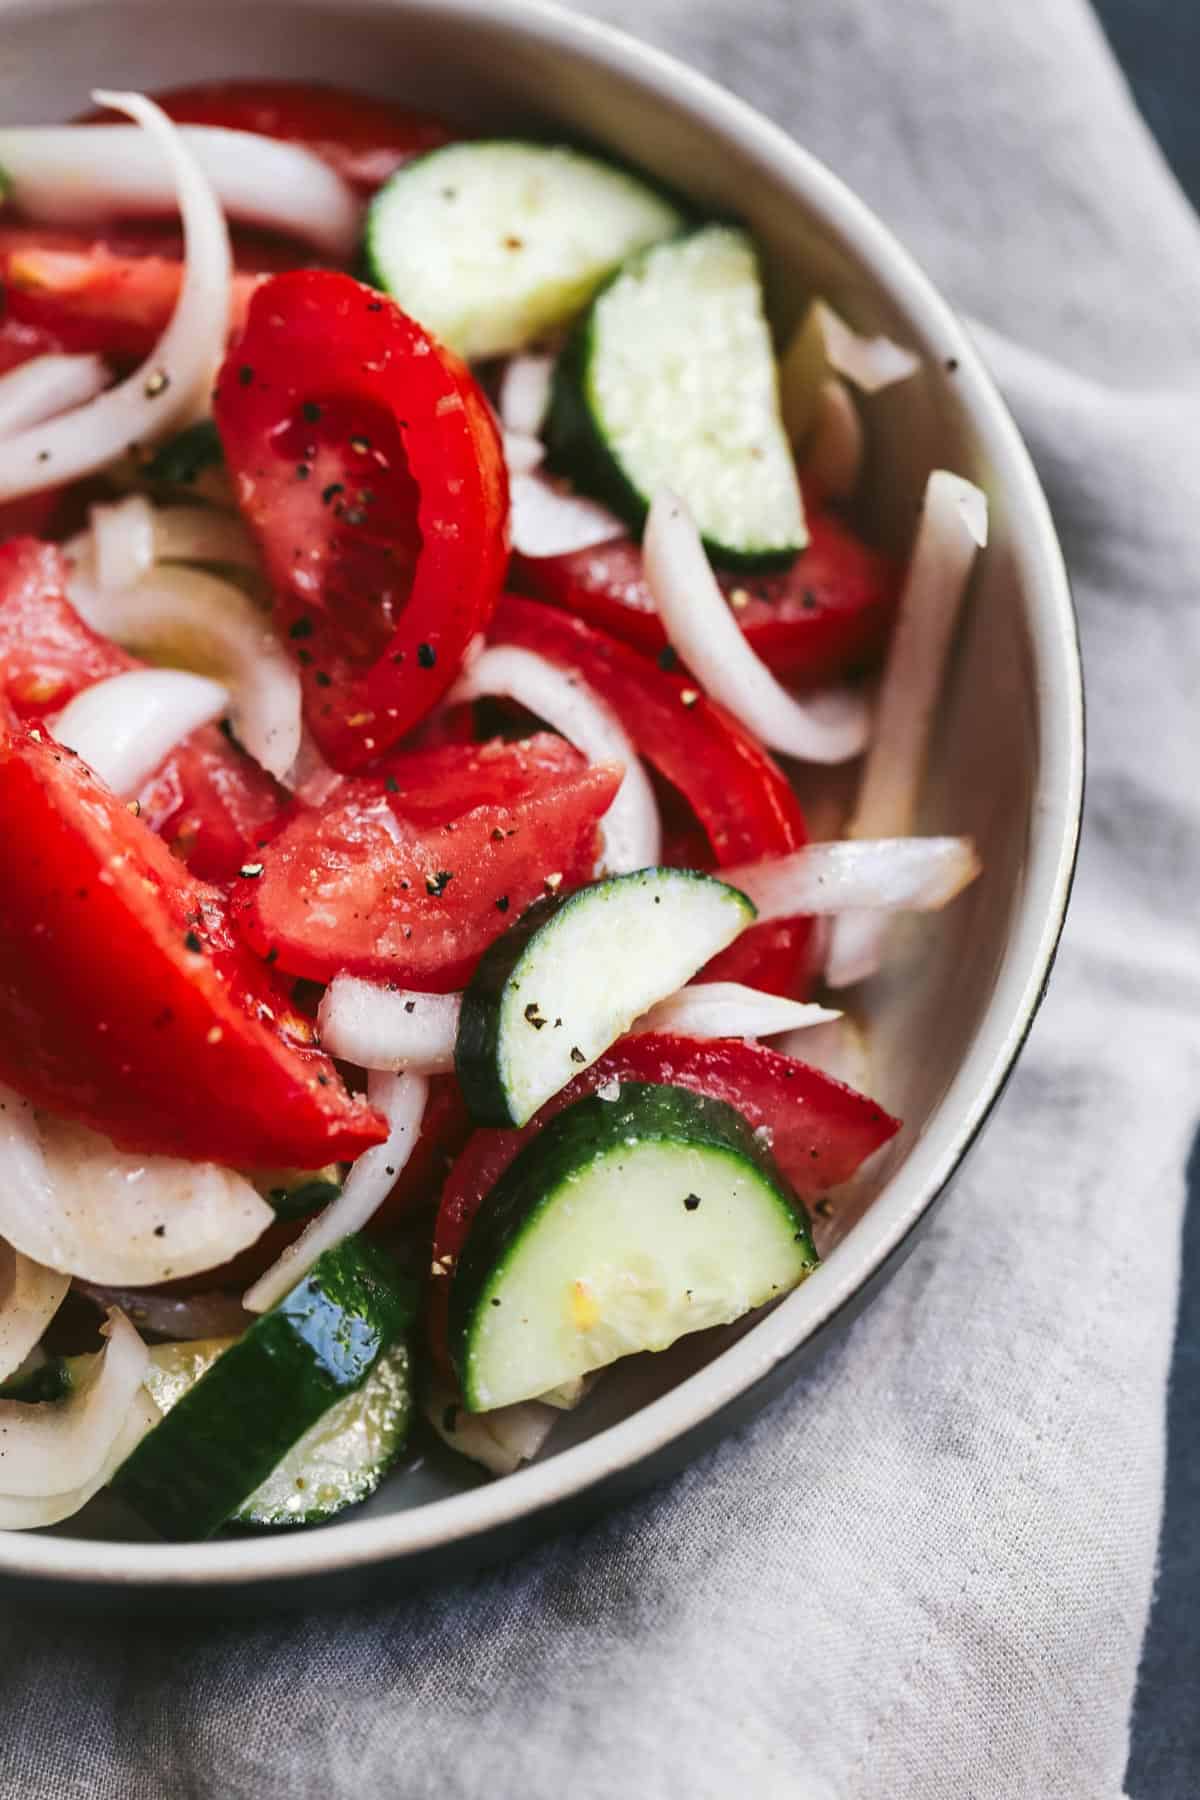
[(1158, 42)]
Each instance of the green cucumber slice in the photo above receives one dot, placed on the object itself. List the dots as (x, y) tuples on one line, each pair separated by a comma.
[(234, 1425), (623, 1226), (572, 975), (294, 1193), (494, 243), (670, 381)]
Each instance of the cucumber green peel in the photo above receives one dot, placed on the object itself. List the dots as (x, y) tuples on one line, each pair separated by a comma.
[(226, 1434)]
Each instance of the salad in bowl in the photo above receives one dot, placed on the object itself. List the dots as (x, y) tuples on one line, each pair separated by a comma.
[(460, 750)]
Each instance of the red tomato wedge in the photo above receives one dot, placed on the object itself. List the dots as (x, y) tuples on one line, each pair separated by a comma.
[(209, 801), (116, 293), (820, 1130), (363, 138), (738, 793), (125, 1000), (828, 614), (410, 882), (368, 465)]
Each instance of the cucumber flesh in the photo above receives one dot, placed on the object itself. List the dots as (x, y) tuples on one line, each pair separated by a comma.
[(571, 976), (622, 1227), (670, 381), (492, 244), (236, 1422)]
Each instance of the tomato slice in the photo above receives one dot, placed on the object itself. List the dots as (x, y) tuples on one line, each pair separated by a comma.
[(209, 801), (363, 138), (410, 882), (738, 793), (369, 467), (828, 614), (115, 294), (125, 1000), (820, 1130)]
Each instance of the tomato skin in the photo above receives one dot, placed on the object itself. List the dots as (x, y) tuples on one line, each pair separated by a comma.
[(828, 614), (363, 138), (125, 1000), (739, 794), (367, 463), (412, 886), (209, 800), (820, 1130)]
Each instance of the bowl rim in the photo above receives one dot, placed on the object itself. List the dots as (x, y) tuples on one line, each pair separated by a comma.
[(960, 1114)]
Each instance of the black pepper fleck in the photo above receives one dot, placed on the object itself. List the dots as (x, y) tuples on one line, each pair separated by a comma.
[(668, 658), (534, 1016), (436, 884), (311, 411), (192, 942), (245, 374), (426, 655), (691, 1201), (502, 903), (300, 628), (577, 1055), (322, 679)]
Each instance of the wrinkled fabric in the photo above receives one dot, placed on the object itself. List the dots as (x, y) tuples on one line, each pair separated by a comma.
[(924, 1574)]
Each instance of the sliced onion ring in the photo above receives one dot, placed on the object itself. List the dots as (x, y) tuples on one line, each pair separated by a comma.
[(189, 618), (549, 520), (631, 827), (45, 386), (525, 393), (952, 531), (61, 1445), (159, 394), (401, 1099), (830, 727), (716, 1009), (833, 456), (823, 345), (86, 174), (500, 1440), (123, 540), (883, 874), (127, 726), (30, 1295), (32, 1515), (522, 454), (389, 1028), (176, 1316), (72, 1201)]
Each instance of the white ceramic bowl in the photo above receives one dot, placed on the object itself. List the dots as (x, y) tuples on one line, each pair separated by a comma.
[(949, 1020)]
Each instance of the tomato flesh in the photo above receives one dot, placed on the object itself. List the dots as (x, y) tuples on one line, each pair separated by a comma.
[(409, 882), (821, 1131), (125, 1000), (367, 463), (738, 793), (826, 615), (209, 801)]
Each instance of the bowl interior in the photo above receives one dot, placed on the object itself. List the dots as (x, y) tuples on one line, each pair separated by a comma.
[(956, 1000)]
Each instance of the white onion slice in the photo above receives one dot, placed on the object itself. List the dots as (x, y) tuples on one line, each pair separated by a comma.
[(549, 520), (711, 1009), (952, 531), (501, 1440), (187, 617), (127, 726), (72, 1201), (30, 1295), (823, 345), (525, 393), (522, 454), (915, 874), (631, 827), (58, 1446), (176, 1316), (47, 385), (204, 534), (401, 1099), (86, 174), (388, 1028), (158, 394), (833, 456), (838, 1049), (32, 1515), (830, 727), (123, 540)]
